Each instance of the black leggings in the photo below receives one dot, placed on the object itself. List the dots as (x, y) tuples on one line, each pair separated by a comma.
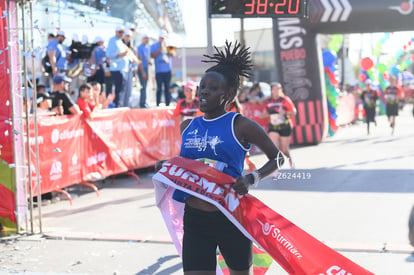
[(203, 232)]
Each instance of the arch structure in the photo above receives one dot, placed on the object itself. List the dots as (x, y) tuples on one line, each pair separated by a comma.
[(298, 59)]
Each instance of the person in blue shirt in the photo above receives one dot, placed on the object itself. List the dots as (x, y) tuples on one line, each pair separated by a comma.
[(163, 67), (98, 54), (57, 53), (223, 137), (117, 52), (143, 52)]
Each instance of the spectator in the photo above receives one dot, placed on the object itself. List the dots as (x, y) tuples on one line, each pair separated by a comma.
[(162, 61), (187, 108), (118, 62), (60, 97), (143, 55), (46, 79), (99, 96), (85, 100), (44, 103), (255, 94), (74, 61), (243, 95), (57, 54), (132, 65), (98, 60), (133, 34)]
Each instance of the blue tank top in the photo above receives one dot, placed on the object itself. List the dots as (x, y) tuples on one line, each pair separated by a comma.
[(213, 139)]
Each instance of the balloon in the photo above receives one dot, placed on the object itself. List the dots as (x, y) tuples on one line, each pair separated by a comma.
[(329, 58), (381, 68), (412, 57), (362, 77), (366, 63), (395, 70)]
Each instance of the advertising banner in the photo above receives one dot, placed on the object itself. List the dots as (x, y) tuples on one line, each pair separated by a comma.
[(298, 58)]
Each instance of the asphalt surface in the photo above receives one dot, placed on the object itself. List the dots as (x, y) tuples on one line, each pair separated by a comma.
[(355, 194)]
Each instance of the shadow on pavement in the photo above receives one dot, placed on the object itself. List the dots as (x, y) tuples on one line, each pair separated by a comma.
[(156, 266), (97, 205)]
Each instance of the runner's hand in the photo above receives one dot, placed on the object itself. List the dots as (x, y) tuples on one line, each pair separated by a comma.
[(242, 184), (158, 165)]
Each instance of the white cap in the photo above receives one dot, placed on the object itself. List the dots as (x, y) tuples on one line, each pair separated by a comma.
[(127, 32), (163, 34), (368, 82), (85, 39), (60, 32), (120, 28), (131, 26), (98, 39), (144, 35)]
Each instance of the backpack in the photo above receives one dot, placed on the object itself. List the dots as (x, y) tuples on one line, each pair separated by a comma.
[(46, 64)]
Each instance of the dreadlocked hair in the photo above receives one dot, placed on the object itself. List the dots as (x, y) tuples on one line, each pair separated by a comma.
[(232, 64)]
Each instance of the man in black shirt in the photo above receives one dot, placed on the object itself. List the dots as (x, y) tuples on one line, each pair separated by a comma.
[(60, 97)]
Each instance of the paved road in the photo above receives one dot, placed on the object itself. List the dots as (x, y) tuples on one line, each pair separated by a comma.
[(356, 198)]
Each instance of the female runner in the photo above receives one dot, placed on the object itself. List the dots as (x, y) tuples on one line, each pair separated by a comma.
[(224, 137), (281, 110)]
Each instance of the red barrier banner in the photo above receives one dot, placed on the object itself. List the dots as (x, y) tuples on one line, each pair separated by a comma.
[(75, 149)]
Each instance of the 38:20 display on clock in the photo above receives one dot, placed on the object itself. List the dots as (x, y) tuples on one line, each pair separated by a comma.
[(269, 7)]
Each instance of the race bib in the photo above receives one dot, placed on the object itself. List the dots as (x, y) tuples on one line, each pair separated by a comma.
[(277, 119)]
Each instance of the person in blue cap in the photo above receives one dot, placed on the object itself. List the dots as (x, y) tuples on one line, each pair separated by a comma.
[(60, 98)]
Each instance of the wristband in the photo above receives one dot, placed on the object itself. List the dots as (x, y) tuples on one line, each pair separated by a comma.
[(256, 177)]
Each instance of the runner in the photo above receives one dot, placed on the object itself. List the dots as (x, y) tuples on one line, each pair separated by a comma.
[(369, 99), (281, 111), (222, 137), (392, 96)]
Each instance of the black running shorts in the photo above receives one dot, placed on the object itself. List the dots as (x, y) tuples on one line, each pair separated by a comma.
[(204, 232)]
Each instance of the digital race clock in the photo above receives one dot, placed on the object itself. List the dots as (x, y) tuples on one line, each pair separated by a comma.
[(257, 8)]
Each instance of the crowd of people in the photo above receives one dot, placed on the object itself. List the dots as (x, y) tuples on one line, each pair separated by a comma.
[(114, 67)]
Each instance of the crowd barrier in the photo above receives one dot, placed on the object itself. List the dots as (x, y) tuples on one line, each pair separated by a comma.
[(75, 149)]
